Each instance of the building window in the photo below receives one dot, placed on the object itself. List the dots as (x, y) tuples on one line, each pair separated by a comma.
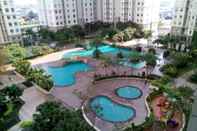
[(6, 10), (10, 24), (17, 30), (12, 9), (5, 2), (8, 17), (11, 30)]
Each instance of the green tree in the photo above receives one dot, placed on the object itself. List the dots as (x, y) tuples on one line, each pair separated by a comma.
[(151, 62), (23, 67), (51, 116), (108, 33), (78, 31), (15, 52), (3, 109), (3, 105), (96, 42), (46, 34), (13, 92), (194, 40), (135, 57), (185, 92), (181, 60)]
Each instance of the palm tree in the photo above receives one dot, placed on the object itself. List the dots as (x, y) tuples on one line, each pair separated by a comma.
[(96, 42), (151, 62)]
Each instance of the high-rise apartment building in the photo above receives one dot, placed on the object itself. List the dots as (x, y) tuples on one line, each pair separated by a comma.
[(185, 17), (9, 25), (51, 13), (144, 12)]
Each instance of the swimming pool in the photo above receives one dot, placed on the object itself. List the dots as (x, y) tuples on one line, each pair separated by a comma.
[(129, 92), (138, 65), (106, 49), (65, 76), (111, 111)]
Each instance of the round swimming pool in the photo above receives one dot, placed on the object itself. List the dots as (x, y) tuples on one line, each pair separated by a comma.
[(111, 111), (129, 92)]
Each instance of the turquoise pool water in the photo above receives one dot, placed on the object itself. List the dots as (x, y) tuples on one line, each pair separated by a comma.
[(129, 92), (134, 65), (110, 111), (65, 76), (106, 49)]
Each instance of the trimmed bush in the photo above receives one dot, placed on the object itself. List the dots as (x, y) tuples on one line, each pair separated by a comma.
[(169, 70)]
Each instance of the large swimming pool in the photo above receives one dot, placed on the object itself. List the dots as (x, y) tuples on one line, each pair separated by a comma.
[(65, 76), (111, 111), (129, 92), (106, 49)]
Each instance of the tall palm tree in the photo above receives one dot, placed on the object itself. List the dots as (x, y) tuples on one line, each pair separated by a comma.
[(151, 62)]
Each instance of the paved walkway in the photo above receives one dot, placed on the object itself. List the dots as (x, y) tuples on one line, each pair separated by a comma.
[(32, 98)]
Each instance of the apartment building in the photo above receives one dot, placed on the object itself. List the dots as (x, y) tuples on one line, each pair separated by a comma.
[(51, 13), (86, 11), (185, 17), (144, 12), (9, 25)]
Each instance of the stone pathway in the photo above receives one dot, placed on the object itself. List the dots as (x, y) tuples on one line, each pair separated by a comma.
[(32, 98)]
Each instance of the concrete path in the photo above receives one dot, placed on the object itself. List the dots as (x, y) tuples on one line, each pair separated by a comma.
[(32, 98)]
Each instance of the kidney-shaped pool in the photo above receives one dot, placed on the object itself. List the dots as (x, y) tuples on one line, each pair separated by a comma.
[(111, 111)]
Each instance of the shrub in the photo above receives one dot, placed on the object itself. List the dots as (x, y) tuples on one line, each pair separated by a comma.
[(193, 77), (15, 52), (162, 81), (170, 70), (23, 67), (152, 50), (36, 75), (181, 60), (166, 53)]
